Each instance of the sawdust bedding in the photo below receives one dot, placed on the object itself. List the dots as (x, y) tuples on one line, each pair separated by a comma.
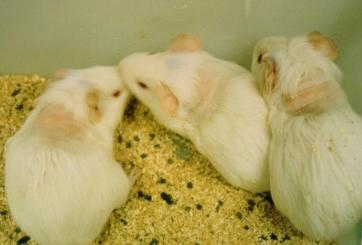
[(179, 199)]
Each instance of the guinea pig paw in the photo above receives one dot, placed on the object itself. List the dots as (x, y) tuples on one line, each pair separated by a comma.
[(135, 173)]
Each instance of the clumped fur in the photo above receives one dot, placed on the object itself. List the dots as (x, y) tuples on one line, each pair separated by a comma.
[(61, 179), (212, 102), (315, 151)]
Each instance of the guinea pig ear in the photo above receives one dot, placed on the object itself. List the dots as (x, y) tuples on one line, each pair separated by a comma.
[(60, 74), (185, 43), (92, 100), (270, 73), (168, 101), (323, 44)]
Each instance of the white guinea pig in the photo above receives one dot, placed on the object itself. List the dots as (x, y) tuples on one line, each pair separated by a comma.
[(212, 102), (315, 151), (61, 179)]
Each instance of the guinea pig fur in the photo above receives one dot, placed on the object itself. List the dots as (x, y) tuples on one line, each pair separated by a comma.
[(315, 151), (212, 102), (61, 179)]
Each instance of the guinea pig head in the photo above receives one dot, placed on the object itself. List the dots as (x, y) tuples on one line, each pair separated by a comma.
[(97, 96), (167, 82), (297, 75)]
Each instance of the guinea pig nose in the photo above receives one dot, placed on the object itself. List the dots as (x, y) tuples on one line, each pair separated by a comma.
[(116, 93)]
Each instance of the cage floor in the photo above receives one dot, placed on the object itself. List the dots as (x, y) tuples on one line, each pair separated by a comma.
[(179, 199)]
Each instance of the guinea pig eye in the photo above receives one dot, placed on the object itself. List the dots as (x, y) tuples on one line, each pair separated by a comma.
[(142, 85), (260, 57), (116, 93)]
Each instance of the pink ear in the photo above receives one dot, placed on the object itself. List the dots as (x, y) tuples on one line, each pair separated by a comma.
[(323, 44), (60, 74), (169, 102), (185, 43), (270, 74)]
